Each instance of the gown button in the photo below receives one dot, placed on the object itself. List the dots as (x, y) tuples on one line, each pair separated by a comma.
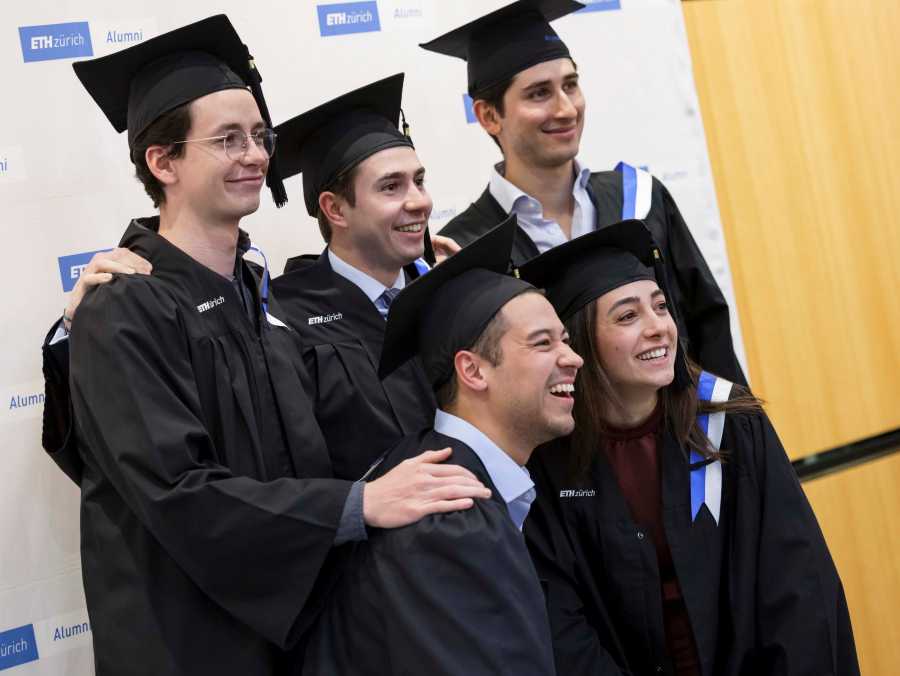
[(640, 535)]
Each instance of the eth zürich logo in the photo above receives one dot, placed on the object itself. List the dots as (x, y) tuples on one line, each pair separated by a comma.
[(55, 41), (71, 267), (17, 646), (348, 17)]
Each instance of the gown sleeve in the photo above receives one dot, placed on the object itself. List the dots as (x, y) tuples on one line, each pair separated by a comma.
[(802, 623), (704, 308), (253, 547), (578, 647), (58, 434)]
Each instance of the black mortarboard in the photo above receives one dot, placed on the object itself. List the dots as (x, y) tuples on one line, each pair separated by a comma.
[(507, 41), (334, 137), (447, 309), (137, 85), (581, 270)]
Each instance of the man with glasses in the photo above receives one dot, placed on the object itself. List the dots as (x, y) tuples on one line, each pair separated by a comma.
[(208, 514)]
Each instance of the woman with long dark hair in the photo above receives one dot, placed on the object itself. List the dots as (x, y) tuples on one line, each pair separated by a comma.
[(670, 531)]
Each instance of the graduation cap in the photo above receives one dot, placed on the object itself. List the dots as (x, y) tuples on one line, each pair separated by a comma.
[(581, 270), (331, 139), (137, 85), (507, 41), (446, 310)]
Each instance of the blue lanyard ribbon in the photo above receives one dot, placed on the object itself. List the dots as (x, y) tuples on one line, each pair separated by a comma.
[(637, 191), (706, 474), (629, 189), (264, 284)]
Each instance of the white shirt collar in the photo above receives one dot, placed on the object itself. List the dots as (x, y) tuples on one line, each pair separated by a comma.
[(368, 285), (511, 479), (509, 196)]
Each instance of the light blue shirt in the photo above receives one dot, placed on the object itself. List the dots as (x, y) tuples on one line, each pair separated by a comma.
[(369, 285), (511, 479), (545, 233)]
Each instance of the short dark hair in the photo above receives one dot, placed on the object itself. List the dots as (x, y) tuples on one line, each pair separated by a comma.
[(486, 346), (344, 187), (164, 131), (493, 96)]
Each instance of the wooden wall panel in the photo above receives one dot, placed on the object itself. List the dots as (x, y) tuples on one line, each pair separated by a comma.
[(801, 105), (857, 510)]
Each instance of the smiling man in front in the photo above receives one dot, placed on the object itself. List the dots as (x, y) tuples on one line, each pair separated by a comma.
[(456, 593)]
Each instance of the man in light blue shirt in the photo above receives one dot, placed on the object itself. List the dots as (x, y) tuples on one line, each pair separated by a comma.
[(456, 593), (526, 95)]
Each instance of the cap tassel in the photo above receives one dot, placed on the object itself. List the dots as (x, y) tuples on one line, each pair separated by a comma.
[(404, 126), (273, 177), (428, 254)]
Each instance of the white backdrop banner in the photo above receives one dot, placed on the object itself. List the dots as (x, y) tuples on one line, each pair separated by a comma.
[(67, 191)]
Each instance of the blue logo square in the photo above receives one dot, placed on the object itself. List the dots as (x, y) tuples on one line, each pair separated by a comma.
[(17, 646), (599, 5), (55, 41), (71, 267), (348, 17), (470, 110)]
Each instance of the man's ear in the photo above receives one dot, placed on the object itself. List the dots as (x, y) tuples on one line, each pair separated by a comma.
[(469, 372), (333, 207), (488, 117), (161, 164)]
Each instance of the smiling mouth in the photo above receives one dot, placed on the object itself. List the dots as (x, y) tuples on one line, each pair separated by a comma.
[(563, 390), (412, 227), (655, 353)]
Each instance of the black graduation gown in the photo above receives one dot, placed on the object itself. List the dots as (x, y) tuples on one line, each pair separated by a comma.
[(761, 590), (703, 311), (201, 535), (57, 431), (360, 415), (452, 594)]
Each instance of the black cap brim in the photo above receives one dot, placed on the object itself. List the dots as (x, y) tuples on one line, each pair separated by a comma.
[(507, 41), (109, 78), (135, 86), (447, 308), (330, 139)]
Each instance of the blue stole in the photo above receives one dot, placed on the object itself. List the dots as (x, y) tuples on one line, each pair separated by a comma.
[(264, 290), (637, 191), (706, 474)]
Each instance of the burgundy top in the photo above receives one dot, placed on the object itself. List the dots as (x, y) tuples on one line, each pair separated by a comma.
[(634, 458)]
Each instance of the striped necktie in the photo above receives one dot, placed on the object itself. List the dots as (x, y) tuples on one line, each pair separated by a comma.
[(383, 302)]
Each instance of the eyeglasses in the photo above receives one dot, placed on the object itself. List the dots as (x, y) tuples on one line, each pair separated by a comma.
[(236, 142)]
